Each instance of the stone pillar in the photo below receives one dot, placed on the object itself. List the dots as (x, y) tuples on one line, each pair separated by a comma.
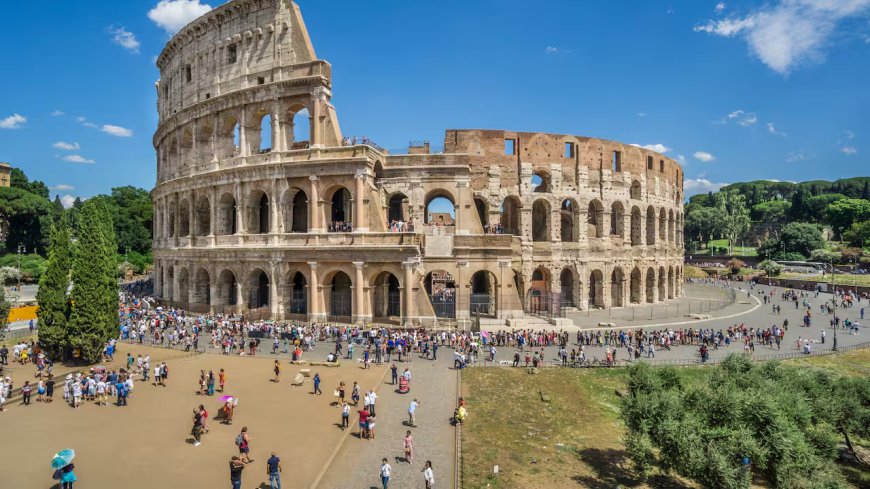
[(408, 314), (213, 206), (241, 295), (318, 98), (194, 147), (213, 292), (274, 303), (243, 137), (359, 315), (273, 209), (360, 223), (556, 224), (460, 209), (277, 128), (314, 225), (214, 138), (314, 312), (502, 310), (191, 209), (240, 209), (158, 279)]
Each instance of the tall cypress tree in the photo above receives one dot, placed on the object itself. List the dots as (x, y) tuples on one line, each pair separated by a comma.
[(94, 298), (5, 307), (53, 311)]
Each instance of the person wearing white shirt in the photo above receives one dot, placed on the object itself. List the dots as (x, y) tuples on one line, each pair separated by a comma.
[(102, 398), (428, 475), (372, 398), (385, 473)]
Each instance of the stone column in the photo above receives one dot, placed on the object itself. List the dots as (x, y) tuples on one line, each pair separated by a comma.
[(314, 312), (194, 161), (501, 310), (277, 128), (274, 303), (273, 209), (243, 137), (213, 292), (314, 225), (191, 209), (359, 314), (214, 138), (213, 206), (360, 223), (318, 98), (158, 279), (461, 186), (240, 209), (409, 313)]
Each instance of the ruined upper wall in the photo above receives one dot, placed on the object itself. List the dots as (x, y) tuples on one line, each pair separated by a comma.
[(509, 149), (240, 44)]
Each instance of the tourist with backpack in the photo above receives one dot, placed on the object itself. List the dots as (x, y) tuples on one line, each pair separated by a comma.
[(242, 441)]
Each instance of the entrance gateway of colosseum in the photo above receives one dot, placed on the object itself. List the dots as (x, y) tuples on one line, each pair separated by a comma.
[(263, 207)]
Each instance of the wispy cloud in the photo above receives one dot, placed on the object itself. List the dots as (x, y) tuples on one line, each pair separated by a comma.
[(704, 156), (700, 185), (849, 150), (57, 113), (796, 156), (720, 7), (658, 148), (78, 159), (14, 121), (771, 128), (121, 132), (124, 38), (62, 187), (741, 118), (172, 15), (66, 146), (786, 34)]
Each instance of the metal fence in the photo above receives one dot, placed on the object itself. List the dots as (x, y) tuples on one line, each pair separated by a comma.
[(680, 307)]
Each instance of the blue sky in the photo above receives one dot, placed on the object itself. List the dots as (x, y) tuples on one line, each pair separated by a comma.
[(737, 90)]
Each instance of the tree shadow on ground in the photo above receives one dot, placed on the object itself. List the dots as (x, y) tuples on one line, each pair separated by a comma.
[(612, 468)]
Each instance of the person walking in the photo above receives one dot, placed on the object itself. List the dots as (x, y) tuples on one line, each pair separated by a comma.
[(394, 373), (26, 391), (237, 465), (345, 416), (277, 369), (317, 384), (408, 445), (412, 411), (428, 475), (197, 427), (67, 476), (243, 441), (385, 473), (222, 378), (273, 470)]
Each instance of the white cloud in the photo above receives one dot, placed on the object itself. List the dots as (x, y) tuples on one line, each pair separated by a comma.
[(694, 186), (796, 156), (77, 159), (62, 187), (681, 159), (551, 50), (788, 33), (172, 15), (57, 113), (121, 132), (771, 128), (14, 121), (67, 201), (741, 117), (124, 38), (66, 146), (658, 148), (849, 150), (720, 7), (704, 156)]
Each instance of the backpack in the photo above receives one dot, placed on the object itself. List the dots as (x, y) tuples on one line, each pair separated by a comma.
[(240, 439)]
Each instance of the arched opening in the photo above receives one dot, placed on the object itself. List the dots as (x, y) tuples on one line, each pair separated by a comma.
[(227, 215), (299, 213), (340, 211), (510, 215), (636, 226), (663, 224), (617, 220), (596, 289), (671, 282), (541, 220), (202, 215), (227, 289), (340, 302), (482, 212), (386, 296), (569, 215), (298, 294), (541, 182), (595, 219), (171, 224), (650, 226), (671, 226), (169, 284), (398, 208), (441, 289), (663, 291), (184, 218), (183, 292), (237, 139), (540, 300), (440, 210), (650, 285), (635, 286), (258, 218), (204, 149), (482, 294), (227, 142), (617, 280), (174, 158), (266, 134), (201, 289), (634, 191), (300, 130), (185, 146), (567, 288), (259, 289)]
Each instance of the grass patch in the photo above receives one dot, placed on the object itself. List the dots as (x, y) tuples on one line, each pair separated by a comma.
[(839, 278), (694, 272)]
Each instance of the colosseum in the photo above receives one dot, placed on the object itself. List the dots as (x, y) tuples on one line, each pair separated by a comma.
[(262, 206)]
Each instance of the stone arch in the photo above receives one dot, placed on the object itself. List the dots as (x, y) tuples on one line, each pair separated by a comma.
[(617, 219), (185, 147), (182, 295), (634, 192), (569, 287), (636, 226), (227, 289), (173, 158), (439, 202), (201, 287), (569, 221), (596, 289), (617, 280), (663, 225), (650, 285), (386, 296), (170, 216), (510, 215), (340, 214), (595, 219), (259, 289), (541, 220), (202, 216), (265, 143), (483, 294), (295, 210), (204, 134), (259, 212), (635, 286), (650, 225), (671, 282), (169, 283), (441, 289), (297, 294), (541, 182), (184, 218), (482, 208), (299, 130), (227, 143), (397, 207), (340, 297), (671, 222), (663, 291), (539, 296), (226, 215)]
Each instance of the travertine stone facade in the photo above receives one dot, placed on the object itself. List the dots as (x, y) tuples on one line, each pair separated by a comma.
[(262, 206)]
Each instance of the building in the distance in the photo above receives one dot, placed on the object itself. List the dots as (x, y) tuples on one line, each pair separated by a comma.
[(263, 205), (5, 174)]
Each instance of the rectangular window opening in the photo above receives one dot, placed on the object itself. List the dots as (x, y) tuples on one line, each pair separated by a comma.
[(569, 150), (207, 96), (649, 162), (617, 161), (261, 80), (188, 73), (662, 166), (231, 54), (510, 146)]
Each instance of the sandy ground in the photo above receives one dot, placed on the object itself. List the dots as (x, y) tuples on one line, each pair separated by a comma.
[(147, 444)]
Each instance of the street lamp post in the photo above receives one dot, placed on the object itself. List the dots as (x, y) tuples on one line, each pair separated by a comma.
[(21, 249), (834, 301)]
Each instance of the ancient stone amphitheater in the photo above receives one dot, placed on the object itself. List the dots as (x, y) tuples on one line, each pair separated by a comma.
[(262, 206)]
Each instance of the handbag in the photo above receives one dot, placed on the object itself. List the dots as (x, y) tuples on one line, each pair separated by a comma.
[(336, 393)]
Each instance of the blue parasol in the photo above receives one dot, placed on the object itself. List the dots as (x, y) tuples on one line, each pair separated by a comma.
[(62, 458)]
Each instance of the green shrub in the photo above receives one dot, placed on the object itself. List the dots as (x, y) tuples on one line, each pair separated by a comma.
[(32, 266)]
